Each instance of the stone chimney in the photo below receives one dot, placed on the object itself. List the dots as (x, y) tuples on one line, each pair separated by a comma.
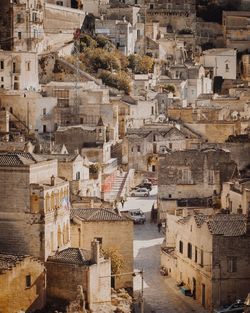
[(95, 251), (52, 180)]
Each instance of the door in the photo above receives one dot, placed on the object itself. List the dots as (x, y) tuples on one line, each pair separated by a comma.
[(203, 295), (194, 288)]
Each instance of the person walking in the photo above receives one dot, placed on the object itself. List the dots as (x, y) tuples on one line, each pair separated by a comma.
[(122, 202), (159, 225)]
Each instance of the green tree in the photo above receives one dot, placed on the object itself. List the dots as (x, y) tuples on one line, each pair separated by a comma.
[(141, 64)]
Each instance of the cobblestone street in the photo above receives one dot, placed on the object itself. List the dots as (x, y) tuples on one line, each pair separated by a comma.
[(160, 293)]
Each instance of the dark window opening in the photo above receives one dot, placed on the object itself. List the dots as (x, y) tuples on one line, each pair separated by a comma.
[(189, 251), (28, 281), (180, 246)]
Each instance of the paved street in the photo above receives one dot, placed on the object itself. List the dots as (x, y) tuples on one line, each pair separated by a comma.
[(160, 293)]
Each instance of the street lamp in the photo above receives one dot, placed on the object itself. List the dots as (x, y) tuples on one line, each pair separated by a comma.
[(137, 272)]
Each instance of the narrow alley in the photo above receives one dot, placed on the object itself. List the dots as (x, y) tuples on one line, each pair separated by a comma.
[(160, 293)]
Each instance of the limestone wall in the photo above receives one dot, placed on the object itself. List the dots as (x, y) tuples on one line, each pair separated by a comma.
[(118, 235), (14, 295)]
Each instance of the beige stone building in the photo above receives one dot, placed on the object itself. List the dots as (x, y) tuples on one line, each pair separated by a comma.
[(194, 173), (142, 147), (235, 196), (18, 70), (246, 67), (73, 270), (236, 29), (111, 230), (209, 257), (34, 204), (23, 284)]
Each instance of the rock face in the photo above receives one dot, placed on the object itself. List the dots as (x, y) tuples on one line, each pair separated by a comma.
[(121, 302)]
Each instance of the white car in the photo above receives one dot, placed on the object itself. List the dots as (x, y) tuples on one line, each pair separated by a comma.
[(140, 192)]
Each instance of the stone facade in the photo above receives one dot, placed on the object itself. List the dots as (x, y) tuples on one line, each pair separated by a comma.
[(180, 177), (35, 203), (141, 147), (74, 268), (209, 258), (112, 230), (19, 70), (236, 29), (23, 284)]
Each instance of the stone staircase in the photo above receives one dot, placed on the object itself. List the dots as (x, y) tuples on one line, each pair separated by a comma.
[(114, 193)]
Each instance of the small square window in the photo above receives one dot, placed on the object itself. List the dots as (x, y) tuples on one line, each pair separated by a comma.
[(2, 65), (19, 35)]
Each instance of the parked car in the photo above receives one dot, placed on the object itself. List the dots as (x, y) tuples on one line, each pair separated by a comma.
[(138, 216), (236, 307), (140, 192), (144, 185)]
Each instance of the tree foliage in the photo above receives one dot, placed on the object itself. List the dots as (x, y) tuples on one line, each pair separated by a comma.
[(120, 80), (140, 64), (117, 260)]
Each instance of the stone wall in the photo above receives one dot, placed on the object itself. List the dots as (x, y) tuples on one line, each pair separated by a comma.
[(14, 295), (64, 278), (118, 235)]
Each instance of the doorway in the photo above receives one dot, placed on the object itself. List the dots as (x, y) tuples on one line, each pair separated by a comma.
[(194, 288), (203, 295)]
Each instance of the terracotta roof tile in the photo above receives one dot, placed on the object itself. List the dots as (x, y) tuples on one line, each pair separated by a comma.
[(72, 256), (97, 214)]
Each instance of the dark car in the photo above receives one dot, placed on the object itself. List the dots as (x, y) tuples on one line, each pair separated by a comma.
[(144, 185), (236, 307)]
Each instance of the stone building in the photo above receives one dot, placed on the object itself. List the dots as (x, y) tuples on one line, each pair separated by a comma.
[(111, 230), (23, 284), (235, 196), (208, 256), (73, 269), (34, 204), (29, 110), (18, 70), (236, 29), (142, 147), (246, 67), (174, 15), (222, 61), (194, 173)]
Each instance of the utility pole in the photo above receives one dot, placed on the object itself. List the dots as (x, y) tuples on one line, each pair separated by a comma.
[(77, 34)]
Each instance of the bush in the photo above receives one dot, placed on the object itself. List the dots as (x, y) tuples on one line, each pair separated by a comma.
[(141, 64), (87, 41), (120, 80), (117, 260)]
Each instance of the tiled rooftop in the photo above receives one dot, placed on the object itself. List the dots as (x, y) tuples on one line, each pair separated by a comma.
[(97, 214), (227, 224), (7, 261), (72, 256), (17, 159)]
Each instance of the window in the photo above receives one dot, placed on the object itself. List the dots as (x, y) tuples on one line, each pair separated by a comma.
[(44, 111), (99, 239), (227, 67), (2, 65), (232, 264), (202, 258), (28, 66), (2, 79), (19, 35), (18, 18), (44, 128), (28, 281), (59, 3), (189, 251), (196, 255), (170, 145), (132, 149), (152, 110), (170, 196), (151, 6), (78, 175), (138, 149), (180, 246), (210, 177)]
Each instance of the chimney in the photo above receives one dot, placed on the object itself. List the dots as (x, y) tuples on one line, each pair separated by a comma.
[(95, 251), (52, 180)]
